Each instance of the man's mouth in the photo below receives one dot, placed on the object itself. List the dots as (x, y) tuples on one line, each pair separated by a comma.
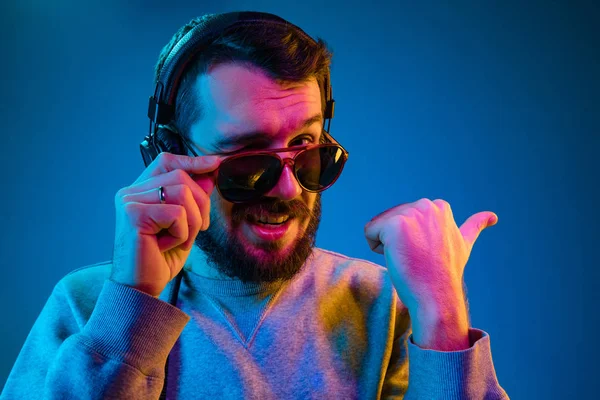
[(268, 227), (268, 218)]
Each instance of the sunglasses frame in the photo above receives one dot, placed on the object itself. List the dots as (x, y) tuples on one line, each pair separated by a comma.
[(291, 161)]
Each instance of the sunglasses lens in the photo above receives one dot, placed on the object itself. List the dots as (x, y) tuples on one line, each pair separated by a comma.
[(248, 178), (317, 169)]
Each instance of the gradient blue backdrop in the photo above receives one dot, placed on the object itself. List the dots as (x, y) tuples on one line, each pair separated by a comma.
[(489, 106)]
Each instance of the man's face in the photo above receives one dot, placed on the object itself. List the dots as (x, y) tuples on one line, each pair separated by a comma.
[(238, 101)]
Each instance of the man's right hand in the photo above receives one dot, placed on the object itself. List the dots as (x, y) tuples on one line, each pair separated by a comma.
[(154, 240)]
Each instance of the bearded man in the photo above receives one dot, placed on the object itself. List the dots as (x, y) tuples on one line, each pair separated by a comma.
[(216, 288)]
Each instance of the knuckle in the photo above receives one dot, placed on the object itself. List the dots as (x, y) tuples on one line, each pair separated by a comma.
[(118, 196), (441, 203), (399, 219), (180, 175), (121, 193), (185, 191), (408, 215), (187, 179), (180, 212), (124, 199), (163, 158)]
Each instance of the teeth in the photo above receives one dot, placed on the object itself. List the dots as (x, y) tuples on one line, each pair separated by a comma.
[(268, 219)]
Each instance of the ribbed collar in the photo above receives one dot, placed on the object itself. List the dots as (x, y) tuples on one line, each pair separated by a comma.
[(228, 287)]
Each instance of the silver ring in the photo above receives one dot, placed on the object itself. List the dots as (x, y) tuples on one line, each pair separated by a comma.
[(161, 194)]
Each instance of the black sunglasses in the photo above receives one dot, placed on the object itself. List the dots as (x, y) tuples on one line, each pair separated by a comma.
[(248, 176)]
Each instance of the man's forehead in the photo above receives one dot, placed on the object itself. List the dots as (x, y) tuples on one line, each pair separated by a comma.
[(229, 84), (238, 100)]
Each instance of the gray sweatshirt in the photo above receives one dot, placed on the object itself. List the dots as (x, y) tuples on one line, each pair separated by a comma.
[(337, 330)]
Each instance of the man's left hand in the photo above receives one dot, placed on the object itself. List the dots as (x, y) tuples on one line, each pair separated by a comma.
[(426, 254)]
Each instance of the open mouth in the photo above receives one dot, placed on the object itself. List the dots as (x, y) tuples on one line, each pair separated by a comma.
[(268, 219), (269, 227)]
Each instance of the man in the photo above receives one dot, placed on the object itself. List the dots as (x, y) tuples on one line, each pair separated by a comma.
[(258, 312)]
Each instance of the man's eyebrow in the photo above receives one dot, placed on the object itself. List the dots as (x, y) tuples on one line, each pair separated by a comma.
[(258, 136)]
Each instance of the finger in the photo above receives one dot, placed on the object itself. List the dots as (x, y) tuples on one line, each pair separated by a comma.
[(206, 182), (373, 228), (201, 196), (475, 224), (376, 233), (152, 219), (390, 212), (445, 209), (443, 205), (376, 246), (421, 205), (373, 240), (174, 194), (167, 162)]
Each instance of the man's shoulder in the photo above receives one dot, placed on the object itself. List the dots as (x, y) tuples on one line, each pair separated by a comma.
[(336, 268), (339, 279), (338, 260)]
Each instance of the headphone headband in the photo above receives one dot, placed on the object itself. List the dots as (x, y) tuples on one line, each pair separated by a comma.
[(161, 107)]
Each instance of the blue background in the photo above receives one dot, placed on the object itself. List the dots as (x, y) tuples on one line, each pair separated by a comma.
[(488, 105)]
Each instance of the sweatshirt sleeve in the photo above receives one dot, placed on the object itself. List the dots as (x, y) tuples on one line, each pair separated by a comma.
[(120, 352), (465, 374)]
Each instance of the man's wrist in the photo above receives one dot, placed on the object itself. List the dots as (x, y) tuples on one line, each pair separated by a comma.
[(441, 328)]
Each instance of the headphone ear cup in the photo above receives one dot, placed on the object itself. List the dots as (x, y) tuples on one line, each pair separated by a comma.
[(170, 142), (164, 140)]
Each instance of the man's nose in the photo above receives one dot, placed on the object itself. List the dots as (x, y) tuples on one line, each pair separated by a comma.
[(287, 187)]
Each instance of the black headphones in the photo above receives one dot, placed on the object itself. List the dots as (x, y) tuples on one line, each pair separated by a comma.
[(161, 108)]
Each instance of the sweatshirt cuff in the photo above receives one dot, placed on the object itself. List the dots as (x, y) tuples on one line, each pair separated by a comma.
[(131, 326), (459, 374)]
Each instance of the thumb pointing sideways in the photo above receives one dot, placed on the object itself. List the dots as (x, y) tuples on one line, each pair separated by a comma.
[(475, 224)]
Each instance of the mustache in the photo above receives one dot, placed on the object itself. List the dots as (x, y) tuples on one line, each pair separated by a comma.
[(293, 208)]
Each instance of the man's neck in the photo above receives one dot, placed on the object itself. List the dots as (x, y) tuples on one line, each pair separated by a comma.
[(197, 263)]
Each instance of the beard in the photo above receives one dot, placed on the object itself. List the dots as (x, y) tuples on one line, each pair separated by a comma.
[(228, 255)]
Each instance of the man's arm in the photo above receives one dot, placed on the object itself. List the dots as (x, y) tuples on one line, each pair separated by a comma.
[(431, 374), (120, 352)]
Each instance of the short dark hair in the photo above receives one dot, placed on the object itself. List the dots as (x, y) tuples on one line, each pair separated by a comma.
[(280, 51)]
